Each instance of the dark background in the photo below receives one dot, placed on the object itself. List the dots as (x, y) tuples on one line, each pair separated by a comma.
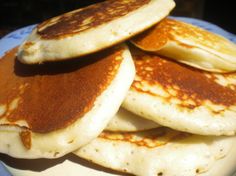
[(19, 13)]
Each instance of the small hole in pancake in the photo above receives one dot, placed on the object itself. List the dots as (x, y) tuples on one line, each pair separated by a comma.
[(197, 171), (71, 141), (96, 150), (56, 153), (83, 150), (160, 174)]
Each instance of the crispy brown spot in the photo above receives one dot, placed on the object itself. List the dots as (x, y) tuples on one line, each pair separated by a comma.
[(28, 44), (54, 95), (86, 18), (26, 138), (189, 85), (150, 138)]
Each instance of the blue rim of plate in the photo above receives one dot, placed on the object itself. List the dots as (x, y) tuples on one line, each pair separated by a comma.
[(3, 170), (16, 37)]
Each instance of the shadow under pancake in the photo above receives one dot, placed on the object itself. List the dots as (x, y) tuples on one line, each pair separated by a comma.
[(38, 165), (60, 67)]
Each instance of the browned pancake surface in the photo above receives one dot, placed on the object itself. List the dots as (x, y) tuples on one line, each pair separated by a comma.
[(87, 18), (52, 96), (192, 87), (150, 138), (170, 30)]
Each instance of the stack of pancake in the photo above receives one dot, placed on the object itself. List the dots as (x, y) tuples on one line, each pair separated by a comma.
[(121, 85)]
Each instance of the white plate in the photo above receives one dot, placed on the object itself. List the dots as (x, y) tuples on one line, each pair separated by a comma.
[(71, 166)]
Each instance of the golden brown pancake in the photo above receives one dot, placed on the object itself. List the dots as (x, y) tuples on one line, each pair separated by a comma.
[(182, 97), (190, 45), (53, 97), (87, 18), (90, 29), (65, 90)]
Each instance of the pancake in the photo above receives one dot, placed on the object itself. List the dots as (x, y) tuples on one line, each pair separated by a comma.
[(90, 29), (52, 109), (158, 152), (72, 165), (182, 97), (189, 44), (126, 121)]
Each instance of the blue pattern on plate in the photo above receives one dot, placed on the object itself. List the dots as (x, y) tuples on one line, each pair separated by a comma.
[(14, 38), (3, 171), (20, 33), (17, 37)]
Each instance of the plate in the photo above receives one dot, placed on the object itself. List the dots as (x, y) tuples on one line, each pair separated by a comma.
[(76, 166)]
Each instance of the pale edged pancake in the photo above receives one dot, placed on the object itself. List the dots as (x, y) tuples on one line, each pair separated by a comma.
[(90, 29), (72, 165), (189, 44), (52, 109), (126, 121), (182, 97), (157, 152)]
